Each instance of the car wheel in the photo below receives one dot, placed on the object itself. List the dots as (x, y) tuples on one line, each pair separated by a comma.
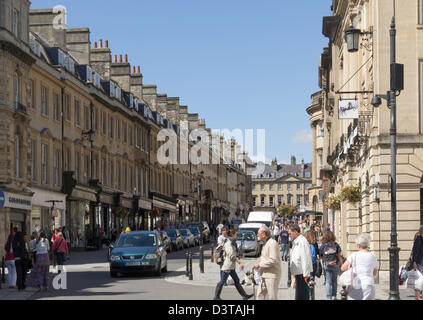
[(113, 274)]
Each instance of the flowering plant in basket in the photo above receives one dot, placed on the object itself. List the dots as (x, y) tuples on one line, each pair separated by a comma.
[(351, 194), (333, 203)]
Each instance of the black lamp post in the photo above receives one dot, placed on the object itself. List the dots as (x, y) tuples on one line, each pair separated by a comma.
[(396, 85)]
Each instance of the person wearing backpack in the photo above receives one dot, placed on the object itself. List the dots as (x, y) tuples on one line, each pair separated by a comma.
[(229, 253), (330, 252)]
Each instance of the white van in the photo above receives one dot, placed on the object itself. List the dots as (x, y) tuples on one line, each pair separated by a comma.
[(266, 217), (251, 227)]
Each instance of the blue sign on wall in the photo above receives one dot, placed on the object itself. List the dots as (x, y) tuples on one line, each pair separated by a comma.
[(2, 199)]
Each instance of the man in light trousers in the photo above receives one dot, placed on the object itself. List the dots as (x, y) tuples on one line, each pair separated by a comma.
[(270, 266)]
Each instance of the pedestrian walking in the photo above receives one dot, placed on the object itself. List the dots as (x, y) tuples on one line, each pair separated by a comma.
[(219, 228), (270, 266), (34, 237), (314, 249), (39, 277), (224, 234), (20, 254), (114, 234), (10, 262), (365, 268), (227, 269), (60, 250), (276, 231), (417, 257), (301, 263), (284, 241), (330, 252), (66, 235)]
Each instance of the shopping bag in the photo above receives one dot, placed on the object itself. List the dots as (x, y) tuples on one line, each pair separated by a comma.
[(412, 277), (230, 281), (319, 269), (418, 284)]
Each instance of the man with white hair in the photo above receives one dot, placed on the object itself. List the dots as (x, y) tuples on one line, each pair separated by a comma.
[(270, 266)]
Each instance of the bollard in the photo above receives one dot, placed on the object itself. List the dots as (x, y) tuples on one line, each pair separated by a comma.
[(289, 272), (344, 293), (187, 261), (201, 260), (190, 267), (3, 279)]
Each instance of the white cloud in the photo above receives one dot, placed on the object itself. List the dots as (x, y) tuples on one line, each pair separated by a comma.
[(303, 136)]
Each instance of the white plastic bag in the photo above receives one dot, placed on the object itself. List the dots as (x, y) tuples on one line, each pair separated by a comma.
[(257, 276), (230, 281), (418, 284), (412, 277)]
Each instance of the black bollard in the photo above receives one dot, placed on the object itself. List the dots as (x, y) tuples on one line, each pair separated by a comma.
[(3, 278), (187, 260), (201, 260), (190, 266)]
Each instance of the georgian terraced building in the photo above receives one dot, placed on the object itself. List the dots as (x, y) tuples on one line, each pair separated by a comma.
[(79, 133), (282, 184), (356, 151)]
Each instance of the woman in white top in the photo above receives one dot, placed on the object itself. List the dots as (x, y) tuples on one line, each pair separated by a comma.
[(365, 268), (39, 277)]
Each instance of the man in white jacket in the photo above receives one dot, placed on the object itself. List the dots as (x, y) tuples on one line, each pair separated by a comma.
[(301, 264), (270, 266)]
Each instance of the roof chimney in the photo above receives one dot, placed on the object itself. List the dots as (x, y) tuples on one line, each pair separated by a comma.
[(115, 59), (101, 43), (95, 45), (133, 69), (293, 161), (126, 58), (138, 69), (107, 43), (120, 58)]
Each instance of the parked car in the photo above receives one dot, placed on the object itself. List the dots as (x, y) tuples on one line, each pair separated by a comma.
[(138, 251), (266, 217), (205, 232), (248, 243), (197, 236), (187, 238), (166, 240), (176, 239)]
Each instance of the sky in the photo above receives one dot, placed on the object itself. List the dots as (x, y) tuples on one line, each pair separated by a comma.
[(239, 64)]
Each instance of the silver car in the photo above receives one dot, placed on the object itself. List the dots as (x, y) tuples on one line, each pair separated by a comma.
[(248, 243)]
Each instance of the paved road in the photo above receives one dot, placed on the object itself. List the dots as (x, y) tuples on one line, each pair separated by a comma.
[(88, 278)]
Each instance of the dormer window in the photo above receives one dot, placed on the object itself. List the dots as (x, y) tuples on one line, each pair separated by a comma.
[(97, 80), (112, 89), (118, 93), (60, 58), (89, 75)]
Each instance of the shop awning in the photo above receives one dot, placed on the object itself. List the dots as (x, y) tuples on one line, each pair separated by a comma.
[(41, 197)]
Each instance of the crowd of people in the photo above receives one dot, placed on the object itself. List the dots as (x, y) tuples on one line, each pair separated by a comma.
[(35, 255), (312, 251)]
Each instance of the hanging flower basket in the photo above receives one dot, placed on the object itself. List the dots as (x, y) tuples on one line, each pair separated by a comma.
[(155, 213), (333, 203), (351, 194), (287, 210)]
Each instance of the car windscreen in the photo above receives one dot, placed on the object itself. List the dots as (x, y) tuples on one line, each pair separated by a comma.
[(236, 221), (183, 232), (137, 240), (246, 236), (255, 230), (171, 233), (194, 230)]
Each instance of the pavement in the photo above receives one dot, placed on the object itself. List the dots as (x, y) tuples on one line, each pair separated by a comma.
[(211, 277), (89, 278)]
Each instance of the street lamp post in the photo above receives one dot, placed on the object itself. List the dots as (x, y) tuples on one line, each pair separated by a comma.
[(397, 84)]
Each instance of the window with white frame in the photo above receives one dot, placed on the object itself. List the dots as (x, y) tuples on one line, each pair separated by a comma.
[(56, 167), (44, 163), (298, 199), (56, 111), (280, 200), (320, 129), (280, 186), (289, 199), (17, 157), (271, 187), (271, 201), (16, 91), (262, 202), (44, 107), (15, 23)]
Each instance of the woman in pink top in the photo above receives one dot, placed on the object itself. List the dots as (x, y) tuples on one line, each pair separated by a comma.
[(60, 248)]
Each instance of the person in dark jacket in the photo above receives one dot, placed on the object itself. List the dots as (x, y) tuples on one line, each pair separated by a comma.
[(417, 257), (20, 253)]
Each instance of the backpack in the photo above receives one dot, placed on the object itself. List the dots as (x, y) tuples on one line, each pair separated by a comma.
[(330, 256), (218, 255)]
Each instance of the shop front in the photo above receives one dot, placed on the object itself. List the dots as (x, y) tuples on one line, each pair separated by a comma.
[(82, 209), (15, 211), (43, 201), (143, 209), (163, 214), (104, 217)]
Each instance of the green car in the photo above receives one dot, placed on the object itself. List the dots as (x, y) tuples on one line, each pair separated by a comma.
[(137, 252)]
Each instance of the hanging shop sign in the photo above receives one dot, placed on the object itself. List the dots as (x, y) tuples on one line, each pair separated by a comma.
[(348, 109)]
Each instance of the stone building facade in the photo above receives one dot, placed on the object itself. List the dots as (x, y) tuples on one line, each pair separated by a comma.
[(79, 138), (282, 184), (357, 151)]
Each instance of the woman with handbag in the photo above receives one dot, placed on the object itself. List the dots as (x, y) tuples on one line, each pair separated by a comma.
[(417, 257), (365, 268), (39, 276)]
